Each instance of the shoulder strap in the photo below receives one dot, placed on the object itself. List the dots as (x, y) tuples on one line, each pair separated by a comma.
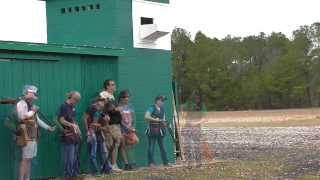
[(155, 110)]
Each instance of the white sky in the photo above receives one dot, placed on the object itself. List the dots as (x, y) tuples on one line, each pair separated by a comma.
[(25, 20)]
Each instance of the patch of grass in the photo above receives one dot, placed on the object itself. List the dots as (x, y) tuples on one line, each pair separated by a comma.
[(222, 170), (309, 177)]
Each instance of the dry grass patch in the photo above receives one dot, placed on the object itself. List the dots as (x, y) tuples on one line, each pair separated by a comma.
[(221, 170)]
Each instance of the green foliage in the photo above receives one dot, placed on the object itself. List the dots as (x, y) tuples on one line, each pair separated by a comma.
[(254, 72)]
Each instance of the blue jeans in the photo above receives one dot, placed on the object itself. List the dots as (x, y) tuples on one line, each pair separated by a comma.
[(97, 146), (71, 161), (152, 143)]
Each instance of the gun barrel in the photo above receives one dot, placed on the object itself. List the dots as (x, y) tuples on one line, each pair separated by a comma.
[(8, 101)]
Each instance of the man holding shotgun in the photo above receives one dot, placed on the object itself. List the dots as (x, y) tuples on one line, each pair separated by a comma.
[(27, 130), (71, 138), (95, 120), (156, 131)]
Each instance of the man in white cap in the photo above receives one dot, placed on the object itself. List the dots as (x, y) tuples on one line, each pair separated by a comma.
[(28, 130)]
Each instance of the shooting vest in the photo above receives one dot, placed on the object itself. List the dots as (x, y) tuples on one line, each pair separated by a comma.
[(92, 124), (155, 128), (28, 128), (158, 114)]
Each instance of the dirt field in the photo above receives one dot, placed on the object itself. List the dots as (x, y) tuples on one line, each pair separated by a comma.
[(286, 138), (265, 116)]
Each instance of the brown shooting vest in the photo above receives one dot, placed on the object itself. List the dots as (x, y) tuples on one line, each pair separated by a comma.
[(28, 128)]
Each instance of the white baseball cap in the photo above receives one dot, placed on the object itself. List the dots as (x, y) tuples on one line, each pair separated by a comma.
[(30, 89)]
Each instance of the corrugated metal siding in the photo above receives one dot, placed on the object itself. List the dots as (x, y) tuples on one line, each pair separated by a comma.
[(6, 146), (144, 72), (94, 70), (90, 27), (147, 73), (47, 76), (54, 79)]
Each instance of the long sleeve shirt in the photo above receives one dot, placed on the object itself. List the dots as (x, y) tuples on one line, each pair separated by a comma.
[(23, 112)]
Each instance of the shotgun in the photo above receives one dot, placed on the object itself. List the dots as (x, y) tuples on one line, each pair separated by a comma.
[(167, 125), (10, 101), (171, 133)]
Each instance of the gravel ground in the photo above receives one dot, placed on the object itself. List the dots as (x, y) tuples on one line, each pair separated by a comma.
[(296, 148)]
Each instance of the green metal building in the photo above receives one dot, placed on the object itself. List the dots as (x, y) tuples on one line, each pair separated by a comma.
[(88, 41)]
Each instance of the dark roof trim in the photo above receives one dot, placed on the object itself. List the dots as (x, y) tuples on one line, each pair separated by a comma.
[(57, 48)]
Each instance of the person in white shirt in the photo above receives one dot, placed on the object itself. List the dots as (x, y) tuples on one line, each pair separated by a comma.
[(29, 122)]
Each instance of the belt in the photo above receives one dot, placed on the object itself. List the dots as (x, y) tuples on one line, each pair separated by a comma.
[(156, 125)]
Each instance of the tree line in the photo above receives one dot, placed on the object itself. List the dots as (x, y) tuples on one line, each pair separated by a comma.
[(254, 72)]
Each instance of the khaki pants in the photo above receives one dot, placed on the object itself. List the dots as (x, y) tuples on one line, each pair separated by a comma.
[(113, 136)]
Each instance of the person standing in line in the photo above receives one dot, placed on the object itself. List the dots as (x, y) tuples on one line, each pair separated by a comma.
[(155, 116), (28, 129), (128, 129), (114, 130), (94, 119), (71, 137)]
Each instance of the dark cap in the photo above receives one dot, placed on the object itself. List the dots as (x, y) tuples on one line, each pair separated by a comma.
[(162, 98)]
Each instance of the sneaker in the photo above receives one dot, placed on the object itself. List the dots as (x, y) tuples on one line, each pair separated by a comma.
[(168, 165), (128, 167), (115, 168), (106, 168), (97, 175), (152, 165), (134, 165)]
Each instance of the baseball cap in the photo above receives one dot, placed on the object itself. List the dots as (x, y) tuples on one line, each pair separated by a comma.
[(30, 89), (160, 97)]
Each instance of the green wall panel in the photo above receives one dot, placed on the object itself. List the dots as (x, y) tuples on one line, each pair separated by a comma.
[(94, 70), (47, 76), (94, 27), (103, 27), (54, 79), (146, 73)]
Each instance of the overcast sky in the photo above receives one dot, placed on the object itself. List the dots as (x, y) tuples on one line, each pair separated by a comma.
[(25, 20)]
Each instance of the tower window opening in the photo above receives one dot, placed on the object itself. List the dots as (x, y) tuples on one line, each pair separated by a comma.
[(146, 20)]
